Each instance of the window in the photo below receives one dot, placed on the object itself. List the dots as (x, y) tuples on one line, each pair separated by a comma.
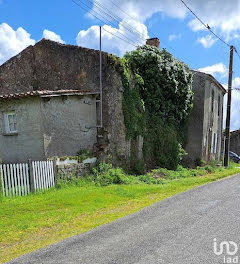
[(10, 123), (213, 143), (216, 143), (212, 102), (219, 106)]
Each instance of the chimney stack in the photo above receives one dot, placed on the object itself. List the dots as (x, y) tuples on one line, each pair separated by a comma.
[(153, 42)]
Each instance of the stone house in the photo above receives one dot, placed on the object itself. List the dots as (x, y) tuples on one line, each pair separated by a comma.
[(206, 119), (49, 97), (235, 141), (41, 124)]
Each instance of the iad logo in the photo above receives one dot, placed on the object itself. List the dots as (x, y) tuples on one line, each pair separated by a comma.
[(228, 249)]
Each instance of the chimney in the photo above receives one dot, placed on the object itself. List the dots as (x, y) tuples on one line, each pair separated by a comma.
[(153, 42)]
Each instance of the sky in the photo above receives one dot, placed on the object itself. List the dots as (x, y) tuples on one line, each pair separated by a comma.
[(126, 24)]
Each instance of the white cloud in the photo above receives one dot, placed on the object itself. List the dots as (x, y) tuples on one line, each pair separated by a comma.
[(215, 69), (236, 83), (222, 16), (47, 34), (110, 43), (12, 42), (141, 9), (173, 37), (207, 41)]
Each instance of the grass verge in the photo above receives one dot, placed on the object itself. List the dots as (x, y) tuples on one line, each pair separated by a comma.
[(29, 223)]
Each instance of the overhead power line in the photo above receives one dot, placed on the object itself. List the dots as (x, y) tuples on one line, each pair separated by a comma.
[(111, 19), (236, 52), (96, 15), (119, 20), (205, 25), (106, 16)]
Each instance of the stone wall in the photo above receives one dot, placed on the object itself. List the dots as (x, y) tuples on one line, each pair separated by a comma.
[(69, 171), (52, 66)]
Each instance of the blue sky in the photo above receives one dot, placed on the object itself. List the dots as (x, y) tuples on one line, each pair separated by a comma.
[(24, 22)]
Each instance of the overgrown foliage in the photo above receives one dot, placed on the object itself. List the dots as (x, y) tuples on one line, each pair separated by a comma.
[(167, 85), (105, 174), (157, 105), (161, 145)]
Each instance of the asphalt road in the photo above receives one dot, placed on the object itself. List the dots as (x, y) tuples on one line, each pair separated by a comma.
[(177, 230)]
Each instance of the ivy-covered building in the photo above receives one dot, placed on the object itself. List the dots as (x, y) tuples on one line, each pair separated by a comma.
[(144, 111), (206, 120)]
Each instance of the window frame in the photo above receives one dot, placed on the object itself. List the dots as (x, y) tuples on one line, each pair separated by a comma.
[(7, 123), (212, 100), (219, 104)]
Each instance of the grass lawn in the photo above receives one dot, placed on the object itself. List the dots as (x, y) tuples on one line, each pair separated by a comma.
[(31, 222)]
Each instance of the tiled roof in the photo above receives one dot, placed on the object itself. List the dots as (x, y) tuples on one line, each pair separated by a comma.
[(47, 93)]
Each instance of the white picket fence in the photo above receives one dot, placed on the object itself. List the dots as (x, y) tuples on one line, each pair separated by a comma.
[(15, 179), (43, 174), (21, 179)]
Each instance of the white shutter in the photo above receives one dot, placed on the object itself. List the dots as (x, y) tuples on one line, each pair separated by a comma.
[(216, 143)]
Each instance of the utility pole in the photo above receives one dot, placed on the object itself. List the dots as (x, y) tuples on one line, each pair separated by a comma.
[(100, 77), (228, 117)]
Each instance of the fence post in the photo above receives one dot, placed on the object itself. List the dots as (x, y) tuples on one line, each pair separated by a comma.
[(55, 170), (31, 179)]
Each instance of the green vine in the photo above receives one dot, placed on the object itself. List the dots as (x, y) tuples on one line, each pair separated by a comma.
[(133, 105), (157, 100)]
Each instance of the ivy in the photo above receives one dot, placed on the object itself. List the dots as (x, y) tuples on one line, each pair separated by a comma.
[(133, 105), (167, 85), (157, 100)]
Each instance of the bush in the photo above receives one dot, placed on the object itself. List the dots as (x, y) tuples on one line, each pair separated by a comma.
[(104, 174)]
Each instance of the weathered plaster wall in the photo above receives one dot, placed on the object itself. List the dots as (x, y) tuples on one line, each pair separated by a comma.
[(69, 124), (195, 123), (52, 66), (28, 143), (47, 127)]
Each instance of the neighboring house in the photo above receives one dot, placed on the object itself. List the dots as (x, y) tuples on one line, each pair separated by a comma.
[(49, 125), (206, 119), (42, 124), (235, 141)]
